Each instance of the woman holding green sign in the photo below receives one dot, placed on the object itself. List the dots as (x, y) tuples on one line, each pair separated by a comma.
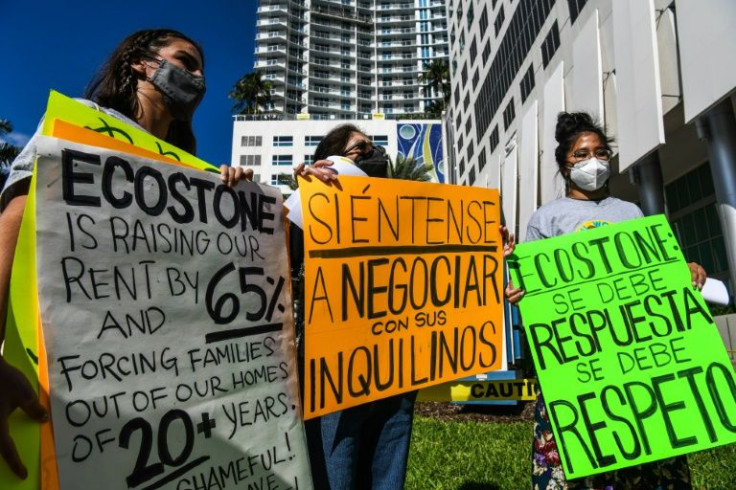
[(153, 81), (583, 154)]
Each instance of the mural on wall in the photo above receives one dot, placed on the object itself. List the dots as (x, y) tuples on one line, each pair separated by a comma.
[(423, 141)]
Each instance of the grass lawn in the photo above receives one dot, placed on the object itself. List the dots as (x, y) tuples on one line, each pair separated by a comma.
[(495, 456)]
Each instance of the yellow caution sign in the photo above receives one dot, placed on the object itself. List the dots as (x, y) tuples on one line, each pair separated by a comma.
[(477, 391)]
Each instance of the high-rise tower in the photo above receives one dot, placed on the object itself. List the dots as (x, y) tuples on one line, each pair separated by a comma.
[(347, 59)]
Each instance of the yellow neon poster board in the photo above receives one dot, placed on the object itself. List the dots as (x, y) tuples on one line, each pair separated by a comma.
[(79, 114)]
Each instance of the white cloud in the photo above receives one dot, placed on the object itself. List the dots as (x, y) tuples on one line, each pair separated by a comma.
[(15, 138)]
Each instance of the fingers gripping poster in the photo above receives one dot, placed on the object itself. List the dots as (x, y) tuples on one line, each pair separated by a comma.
[(167, 318), (402, 286), (630, 364)]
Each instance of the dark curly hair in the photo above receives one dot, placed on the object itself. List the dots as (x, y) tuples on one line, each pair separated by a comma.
[(570, 125), (115, 84)]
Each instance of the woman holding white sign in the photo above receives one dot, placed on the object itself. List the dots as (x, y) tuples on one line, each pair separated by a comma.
[(583, 154), (154, 81)]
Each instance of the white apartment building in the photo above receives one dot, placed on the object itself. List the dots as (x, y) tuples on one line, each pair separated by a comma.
[(660, 76), (272, 147), (349, 58)]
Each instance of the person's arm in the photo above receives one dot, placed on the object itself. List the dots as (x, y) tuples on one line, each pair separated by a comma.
[(15, 390), (320, 169)]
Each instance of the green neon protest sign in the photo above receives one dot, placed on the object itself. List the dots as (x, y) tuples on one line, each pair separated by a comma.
[(630, 363)]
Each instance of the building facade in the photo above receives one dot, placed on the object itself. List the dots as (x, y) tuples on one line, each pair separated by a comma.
[(654, 72), (349, 58), (273, 145)]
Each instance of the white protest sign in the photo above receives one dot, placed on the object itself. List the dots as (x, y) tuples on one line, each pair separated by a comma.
[(340, 166), (167, 317)]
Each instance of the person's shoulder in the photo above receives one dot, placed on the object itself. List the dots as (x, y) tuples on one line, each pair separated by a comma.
[(626, 207), (109, 111), (546, 213), (552, 207)]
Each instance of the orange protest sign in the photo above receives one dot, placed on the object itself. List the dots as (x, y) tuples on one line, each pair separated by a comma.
[(403, 288)]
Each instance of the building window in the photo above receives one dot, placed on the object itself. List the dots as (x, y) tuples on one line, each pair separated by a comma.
[(461, 167), (464, 75), (481, 159), (486, 52), (466, 101), (471, 176), (550, 44), (476, 78), (283, 141), (509, 114), (281, 179), (251, 141), (308, 159), (468, 125), (494, 138), (471, 150), (473, 50), (312, 140), (691, 204), (457, 95), (575, 7), (527, 83), (250, 160), (380, 140), (282, 160), (498, 23), (483, 21)]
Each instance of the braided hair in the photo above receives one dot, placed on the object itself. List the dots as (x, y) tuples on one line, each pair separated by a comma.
[(115, 84)]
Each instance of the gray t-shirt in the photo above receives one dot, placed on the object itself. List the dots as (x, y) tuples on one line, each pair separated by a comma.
[(566, 215), (22, 167)]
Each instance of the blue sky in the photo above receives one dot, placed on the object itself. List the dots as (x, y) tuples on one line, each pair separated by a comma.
[(59, 44)]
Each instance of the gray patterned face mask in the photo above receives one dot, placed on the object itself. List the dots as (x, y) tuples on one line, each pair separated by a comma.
[(182, 90)]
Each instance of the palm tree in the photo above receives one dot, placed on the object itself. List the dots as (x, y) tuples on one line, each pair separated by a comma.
[(251, 93), (434, 110), (8, 151), (436, 77), (408, 168)]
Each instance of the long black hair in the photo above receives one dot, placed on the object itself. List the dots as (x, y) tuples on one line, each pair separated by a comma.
[(115, 84)]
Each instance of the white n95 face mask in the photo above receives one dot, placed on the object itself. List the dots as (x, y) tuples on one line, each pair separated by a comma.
[(591, 174)]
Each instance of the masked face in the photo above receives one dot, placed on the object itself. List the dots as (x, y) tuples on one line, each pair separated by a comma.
[(182, 89), (375, 163), (591, 174), (369, 158)]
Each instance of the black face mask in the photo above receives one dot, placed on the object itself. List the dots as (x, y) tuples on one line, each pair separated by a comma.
[(374, 164), (182, 90)]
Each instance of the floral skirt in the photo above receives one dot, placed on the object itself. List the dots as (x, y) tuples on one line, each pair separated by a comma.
[(547, 474)]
